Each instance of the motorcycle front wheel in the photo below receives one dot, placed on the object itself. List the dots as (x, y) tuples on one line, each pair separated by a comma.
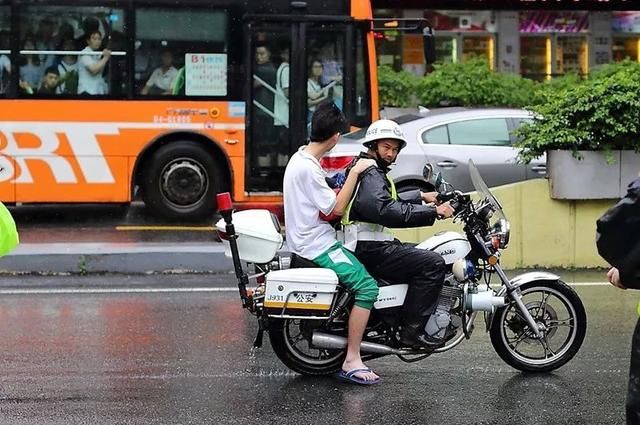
[(557, 307), (291, 341)]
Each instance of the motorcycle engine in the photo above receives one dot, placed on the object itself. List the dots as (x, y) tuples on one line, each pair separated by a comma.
[(443, 319)]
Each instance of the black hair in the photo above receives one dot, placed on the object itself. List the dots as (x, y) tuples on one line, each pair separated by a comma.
[(52, 70), (326, 121), (88, 34), (263, 44)]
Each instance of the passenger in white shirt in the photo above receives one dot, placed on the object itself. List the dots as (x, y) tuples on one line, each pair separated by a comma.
[(90, 80), (162, 78), (306, 196)]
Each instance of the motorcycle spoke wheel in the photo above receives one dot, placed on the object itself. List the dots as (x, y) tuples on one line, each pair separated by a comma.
[(298, 341), (558, 312), (554, 312)]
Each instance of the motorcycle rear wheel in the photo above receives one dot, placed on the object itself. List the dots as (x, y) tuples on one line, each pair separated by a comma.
[(291, 341), (552, 303)]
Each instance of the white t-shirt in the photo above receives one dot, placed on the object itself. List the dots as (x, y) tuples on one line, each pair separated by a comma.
[(306, 194), (315, 89), (281, 102), (88, 82), (162, 80)]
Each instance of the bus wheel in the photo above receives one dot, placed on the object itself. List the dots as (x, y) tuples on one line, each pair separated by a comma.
[(181, 181)]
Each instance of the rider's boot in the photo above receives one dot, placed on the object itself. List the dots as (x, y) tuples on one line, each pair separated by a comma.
[(413, 335)]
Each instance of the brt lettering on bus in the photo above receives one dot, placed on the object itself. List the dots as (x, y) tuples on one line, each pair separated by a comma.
[(82, 140)]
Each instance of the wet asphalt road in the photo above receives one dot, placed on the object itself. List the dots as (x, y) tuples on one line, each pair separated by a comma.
[(186, 358)]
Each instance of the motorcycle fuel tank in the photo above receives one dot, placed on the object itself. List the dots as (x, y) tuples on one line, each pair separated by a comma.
[(451, 245)]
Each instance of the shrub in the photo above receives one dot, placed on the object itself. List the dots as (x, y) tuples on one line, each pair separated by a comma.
[(472, 83), (396, 88), (600, 114)]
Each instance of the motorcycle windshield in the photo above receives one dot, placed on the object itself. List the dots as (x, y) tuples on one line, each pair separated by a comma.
[(483, 190)]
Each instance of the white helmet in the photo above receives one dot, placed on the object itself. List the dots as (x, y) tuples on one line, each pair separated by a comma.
[(384, 129)]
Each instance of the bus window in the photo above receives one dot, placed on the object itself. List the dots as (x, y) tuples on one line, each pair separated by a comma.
[(325, 67), (5, 51), (181, 52), (72, 51)]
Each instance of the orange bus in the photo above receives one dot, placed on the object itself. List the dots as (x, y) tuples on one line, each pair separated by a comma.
[(108, 101)]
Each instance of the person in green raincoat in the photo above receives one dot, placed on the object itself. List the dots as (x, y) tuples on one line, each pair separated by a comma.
[(8, 233)]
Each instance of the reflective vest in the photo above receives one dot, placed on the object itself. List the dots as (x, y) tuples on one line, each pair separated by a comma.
[(354, 231)]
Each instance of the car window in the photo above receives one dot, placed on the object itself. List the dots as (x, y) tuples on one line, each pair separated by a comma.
[(484, 132), (436, 136), (518, 121)]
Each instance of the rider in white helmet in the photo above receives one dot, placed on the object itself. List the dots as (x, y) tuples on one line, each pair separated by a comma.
[(389, 131), (375, 206)]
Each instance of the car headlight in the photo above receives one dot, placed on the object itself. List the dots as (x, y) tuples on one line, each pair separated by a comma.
[(500, 233)]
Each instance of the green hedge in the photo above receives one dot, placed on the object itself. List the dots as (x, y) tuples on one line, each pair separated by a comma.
[(471, 83), (599, 114)]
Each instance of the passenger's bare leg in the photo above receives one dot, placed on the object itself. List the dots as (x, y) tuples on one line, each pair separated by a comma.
[(357, 324)]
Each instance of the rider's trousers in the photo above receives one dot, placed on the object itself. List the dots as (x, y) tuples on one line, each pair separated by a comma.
[(400, 262), (633, 395)]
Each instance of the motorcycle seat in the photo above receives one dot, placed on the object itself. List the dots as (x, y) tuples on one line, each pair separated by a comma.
[(298, 262), (382, 282)]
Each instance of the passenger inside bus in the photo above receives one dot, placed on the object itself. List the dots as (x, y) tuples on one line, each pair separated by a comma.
[(68, 70), (30, 65), (5, 62), (264, 88), (281, 107), (91, 66), (163, 77), (331, 73), (44, 40), (48, 85), (315, 92)]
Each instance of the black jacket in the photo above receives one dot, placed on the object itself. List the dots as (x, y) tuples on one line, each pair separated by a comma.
[(373, 202), (618, 237)]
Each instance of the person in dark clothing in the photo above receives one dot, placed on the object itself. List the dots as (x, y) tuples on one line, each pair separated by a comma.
[(263, 129), (618, 242), (375, 206)]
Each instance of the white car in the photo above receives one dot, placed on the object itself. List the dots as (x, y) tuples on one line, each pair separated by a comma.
[(447, 138)]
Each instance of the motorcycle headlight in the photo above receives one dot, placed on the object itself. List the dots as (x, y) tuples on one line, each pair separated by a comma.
[(462, 269), (500, 233)]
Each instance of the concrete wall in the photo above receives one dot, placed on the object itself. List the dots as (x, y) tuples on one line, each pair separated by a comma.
[(544, 232)]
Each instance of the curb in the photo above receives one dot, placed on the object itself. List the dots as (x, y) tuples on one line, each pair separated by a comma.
[(138, 258)]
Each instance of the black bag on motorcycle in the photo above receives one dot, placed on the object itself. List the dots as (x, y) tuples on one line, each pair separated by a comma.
[(618, 235)]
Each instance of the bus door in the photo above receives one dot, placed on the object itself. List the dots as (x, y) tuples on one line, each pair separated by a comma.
[(269, 135), (293, 66)]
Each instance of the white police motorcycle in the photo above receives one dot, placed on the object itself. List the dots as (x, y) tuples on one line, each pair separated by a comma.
[(536, 322)]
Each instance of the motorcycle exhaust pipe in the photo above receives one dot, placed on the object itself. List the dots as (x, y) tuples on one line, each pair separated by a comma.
[(334, 342)]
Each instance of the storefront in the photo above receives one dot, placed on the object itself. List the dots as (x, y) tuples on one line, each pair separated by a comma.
[(536, 42)]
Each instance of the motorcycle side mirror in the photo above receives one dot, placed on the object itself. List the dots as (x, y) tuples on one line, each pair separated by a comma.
[(438, 181), (427, 172)]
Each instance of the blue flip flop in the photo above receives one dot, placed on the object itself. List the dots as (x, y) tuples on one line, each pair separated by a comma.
[(350, 376)]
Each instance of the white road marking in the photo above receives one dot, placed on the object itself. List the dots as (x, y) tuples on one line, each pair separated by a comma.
[(62, 291), (59, 291)]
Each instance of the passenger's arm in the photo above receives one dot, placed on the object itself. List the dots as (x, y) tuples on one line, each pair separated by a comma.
[(346, 193), (97, 67)]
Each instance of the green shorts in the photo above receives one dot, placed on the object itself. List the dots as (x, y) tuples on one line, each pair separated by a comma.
[(351, 273)]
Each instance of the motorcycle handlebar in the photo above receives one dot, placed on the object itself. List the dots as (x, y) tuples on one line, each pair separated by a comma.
[(456, 199)]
